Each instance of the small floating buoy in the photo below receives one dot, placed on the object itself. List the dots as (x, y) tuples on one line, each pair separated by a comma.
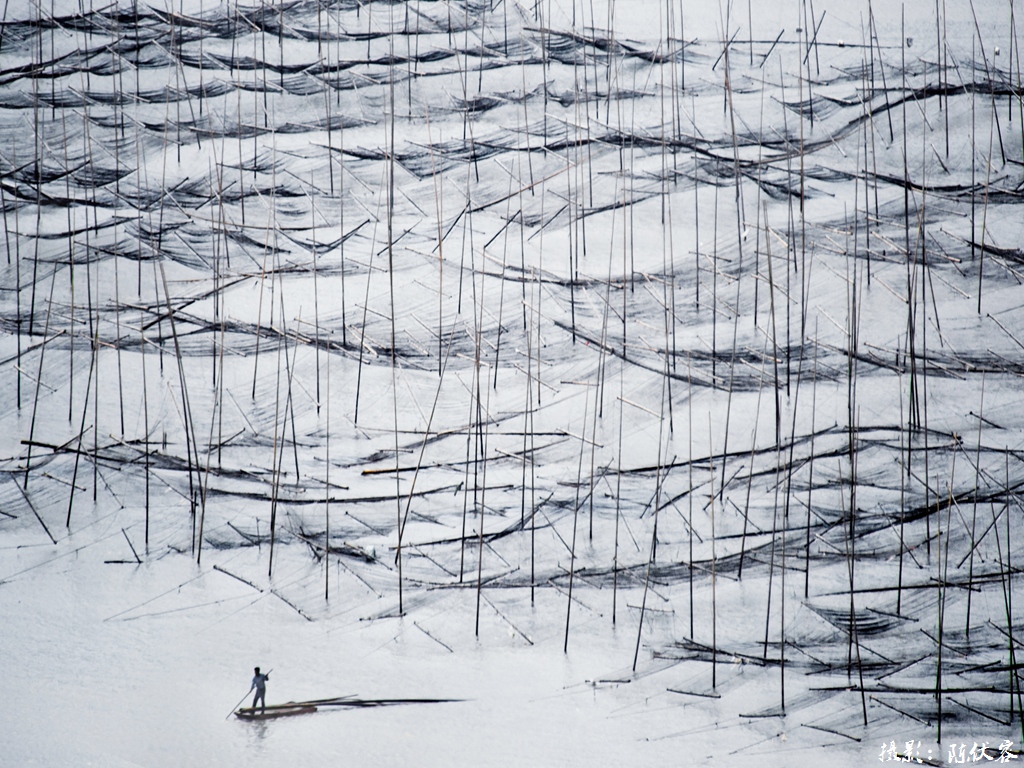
[(841, 43), (997, 50)]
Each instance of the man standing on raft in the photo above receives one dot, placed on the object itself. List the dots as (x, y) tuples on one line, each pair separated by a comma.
[(259, 683)]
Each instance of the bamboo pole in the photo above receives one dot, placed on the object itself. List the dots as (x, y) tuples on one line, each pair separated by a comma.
[(714, 564), (974, 508), (575, 518)]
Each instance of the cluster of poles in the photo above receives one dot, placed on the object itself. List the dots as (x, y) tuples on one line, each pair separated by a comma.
[(315, 269)]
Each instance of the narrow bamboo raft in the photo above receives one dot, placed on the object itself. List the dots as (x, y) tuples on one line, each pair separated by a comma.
[(306, 707), (275, 710)]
